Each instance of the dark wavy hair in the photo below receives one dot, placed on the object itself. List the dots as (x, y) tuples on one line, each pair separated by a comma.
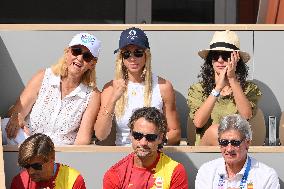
[(152, 115), (207, 74)]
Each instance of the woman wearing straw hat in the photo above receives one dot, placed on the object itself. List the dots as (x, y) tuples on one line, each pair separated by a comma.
[(62, 101), (223, 88), (135, 86)]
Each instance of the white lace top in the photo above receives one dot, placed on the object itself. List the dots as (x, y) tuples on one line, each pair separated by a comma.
[(58, 118), (135, 101)]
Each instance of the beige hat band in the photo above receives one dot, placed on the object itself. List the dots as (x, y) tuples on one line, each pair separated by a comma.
[(223, 44)]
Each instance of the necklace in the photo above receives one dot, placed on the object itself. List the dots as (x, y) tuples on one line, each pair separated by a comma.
[(135, 89), (133, 93)]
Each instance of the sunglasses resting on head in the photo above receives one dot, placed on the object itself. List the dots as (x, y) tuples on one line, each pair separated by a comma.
[(137, 53), (87, 56), (149, 137)]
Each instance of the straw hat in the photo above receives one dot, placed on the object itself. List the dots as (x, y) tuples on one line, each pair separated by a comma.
[(225, 41)]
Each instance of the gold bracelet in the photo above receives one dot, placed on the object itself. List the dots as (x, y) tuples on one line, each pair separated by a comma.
[(16, 113), (108, 113)]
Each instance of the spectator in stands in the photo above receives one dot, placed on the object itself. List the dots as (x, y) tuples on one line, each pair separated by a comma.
[(135, 86), (147, 166), (62, 101), (223, 88), (236, 169), (37, 156)]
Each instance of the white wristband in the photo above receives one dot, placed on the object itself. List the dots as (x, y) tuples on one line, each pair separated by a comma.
[(215, 93)]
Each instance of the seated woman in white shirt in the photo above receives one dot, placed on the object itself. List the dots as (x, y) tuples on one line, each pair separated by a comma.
[(62, 101), (135, 86)]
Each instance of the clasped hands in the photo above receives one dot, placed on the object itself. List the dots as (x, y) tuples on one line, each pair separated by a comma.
[(229, 72)]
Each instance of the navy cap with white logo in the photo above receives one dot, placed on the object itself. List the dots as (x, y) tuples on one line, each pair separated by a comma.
[(133, 36)]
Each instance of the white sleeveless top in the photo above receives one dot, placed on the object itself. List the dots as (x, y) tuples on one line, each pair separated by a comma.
[(135, 101), (58, 118)]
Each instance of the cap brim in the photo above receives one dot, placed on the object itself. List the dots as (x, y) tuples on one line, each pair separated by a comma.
[(204, 53), (115, 51)]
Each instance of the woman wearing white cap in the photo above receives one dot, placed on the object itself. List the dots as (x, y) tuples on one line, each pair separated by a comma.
[(134, 87), (62, 101), (223, 88)]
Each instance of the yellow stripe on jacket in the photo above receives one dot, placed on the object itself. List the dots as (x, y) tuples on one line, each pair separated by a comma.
[(66, 177), (163, 172)]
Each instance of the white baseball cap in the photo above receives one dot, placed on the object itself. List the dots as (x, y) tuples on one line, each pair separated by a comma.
[(89, 41)]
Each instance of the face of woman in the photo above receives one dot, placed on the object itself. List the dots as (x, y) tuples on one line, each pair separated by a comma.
[(79, 59), (220, 60), (134, 59)]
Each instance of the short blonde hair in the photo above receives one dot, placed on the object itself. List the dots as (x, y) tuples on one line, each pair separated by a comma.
[(60, 69), (121, 73)]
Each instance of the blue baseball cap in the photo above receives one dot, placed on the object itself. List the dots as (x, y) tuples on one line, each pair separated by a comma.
[(133, 36)]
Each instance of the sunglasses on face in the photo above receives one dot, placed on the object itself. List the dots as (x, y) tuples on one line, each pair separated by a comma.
[(137, 53), (35, 166), (235, 143), (149, 137), (87, 56), (215, 55)]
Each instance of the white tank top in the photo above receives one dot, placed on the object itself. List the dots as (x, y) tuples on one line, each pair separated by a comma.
[(58, 118), (135, 101)]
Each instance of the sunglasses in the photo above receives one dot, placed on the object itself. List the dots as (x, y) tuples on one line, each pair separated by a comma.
[(35, 166), (224, 54), (235, 143), (149, 137), (87, 56), (137, 53)]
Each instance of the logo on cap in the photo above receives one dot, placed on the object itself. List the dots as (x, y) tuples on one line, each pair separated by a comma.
[(87, 39), (132, 35)]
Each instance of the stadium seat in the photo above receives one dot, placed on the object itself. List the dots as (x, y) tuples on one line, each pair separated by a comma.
[(257, 125), (258, 128), (110, 140), (281, 129)]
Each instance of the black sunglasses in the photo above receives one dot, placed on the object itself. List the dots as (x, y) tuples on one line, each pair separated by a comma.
[(149, 137), (87, 56), (225, 142), (35, 166), (224, 54), (137, 53)]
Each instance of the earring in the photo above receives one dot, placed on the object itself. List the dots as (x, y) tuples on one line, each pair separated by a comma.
[(143, 75), (125, 73), (126, 76), (65, 69)]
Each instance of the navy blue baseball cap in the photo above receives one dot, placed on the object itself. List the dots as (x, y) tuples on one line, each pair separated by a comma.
[(133, 36)]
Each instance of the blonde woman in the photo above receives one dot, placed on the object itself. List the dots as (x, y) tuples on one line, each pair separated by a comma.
[(135, 86), (62, 101)]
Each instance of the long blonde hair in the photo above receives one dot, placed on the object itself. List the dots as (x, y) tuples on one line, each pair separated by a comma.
[(121, 73), (60, 69)]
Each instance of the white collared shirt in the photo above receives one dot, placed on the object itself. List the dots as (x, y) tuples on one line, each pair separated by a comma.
[(213, 172), (58, 118)]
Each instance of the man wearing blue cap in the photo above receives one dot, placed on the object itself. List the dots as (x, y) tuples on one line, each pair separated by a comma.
[(135, 86)]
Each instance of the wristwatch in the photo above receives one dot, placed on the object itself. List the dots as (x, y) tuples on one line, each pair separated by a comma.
[(215, 93)]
